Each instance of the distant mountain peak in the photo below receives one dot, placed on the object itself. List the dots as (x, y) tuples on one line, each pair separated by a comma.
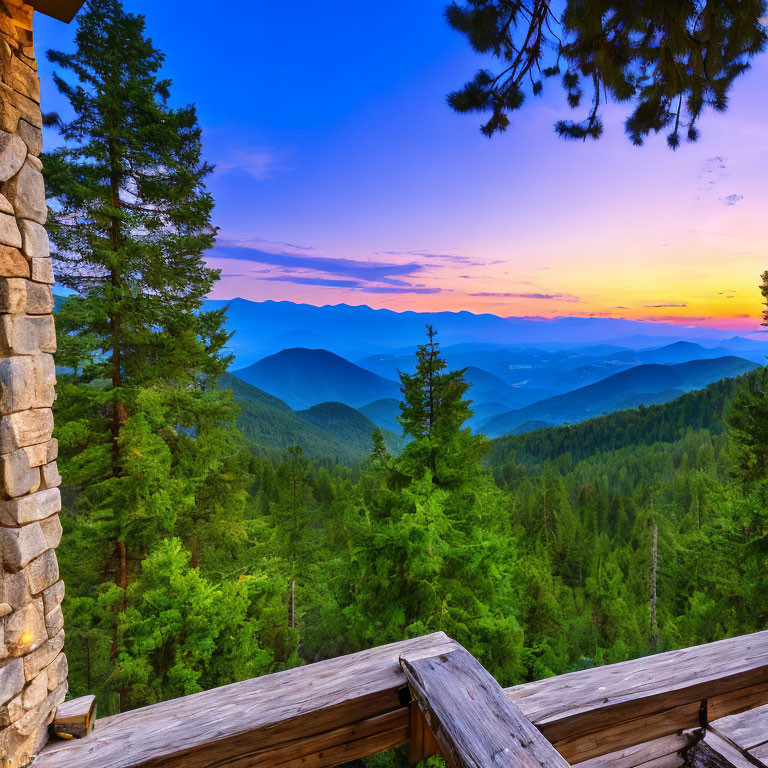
[(307, 377)]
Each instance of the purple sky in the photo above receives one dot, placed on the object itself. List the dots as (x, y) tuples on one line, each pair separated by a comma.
[(342, 176)]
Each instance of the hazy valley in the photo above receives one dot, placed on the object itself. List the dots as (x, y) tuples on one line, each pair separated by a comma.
[(337, 378)]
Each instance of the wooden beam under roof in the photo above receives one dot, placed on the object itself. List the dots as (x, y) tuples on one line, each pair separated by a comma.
[(63, 10)]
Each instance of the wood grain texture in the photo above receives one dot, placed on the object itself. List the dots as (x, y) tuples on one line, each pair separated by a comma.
[(595, 699), (350, 707), (760, 754), (715, 752), (221, 726), (639, 754), (474, 723), (584, 746), (736, 701), (333, 747), (675, 760), (422, 743), (746, 730), (75, 718)]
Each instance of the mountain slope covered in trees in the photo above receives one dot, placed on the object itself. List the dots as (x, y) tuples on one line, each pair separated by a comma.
[(641, 385), (196, 555), (329, 432), (704, 409)]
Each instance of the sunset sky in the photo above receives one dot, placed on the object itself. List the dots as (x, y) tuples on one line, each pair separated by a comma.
[(342, 176)]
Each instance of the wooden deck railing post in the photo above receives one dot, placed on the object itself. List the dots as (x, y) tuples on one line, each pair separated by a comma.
[(634, 714), (473, 722), (421, 741)]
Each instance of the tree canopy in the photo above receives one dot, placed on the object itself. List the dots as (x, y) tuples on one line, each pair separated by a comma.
[(668, 61)]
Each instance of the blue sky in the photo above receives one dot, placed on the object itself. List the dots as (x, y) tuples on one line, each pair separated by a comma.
[(342, 176)]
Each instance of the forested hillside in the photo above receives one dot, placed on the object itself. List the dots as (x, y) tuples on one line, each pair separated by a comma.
[(646, 384), (203, 544), (330, 432), (533, 551), (703, 409)]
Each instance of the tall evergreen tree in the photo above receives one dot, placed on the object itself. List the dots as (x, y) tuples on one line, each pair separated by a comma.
[(433, 413), (147, 441), (426, 530)]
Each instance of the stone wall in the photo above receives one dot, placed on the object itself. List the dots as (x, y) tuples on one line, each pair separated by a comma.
[(33, 669)]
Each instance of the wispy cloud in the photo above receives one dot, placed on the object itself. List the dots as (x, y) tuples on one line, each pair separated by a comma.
[(359, 269), (715, 169), (732, 199), (301, 265), (675, 319), (666, 304), (448, 258), (326, 281), (260, 163), (541, 296), (353, 284)]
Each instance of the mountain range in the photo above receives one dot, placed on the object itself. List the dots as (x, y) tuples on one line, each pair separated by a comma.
[(296, 390), (642, 385), (325, 377), (307, 377), (353, 332)]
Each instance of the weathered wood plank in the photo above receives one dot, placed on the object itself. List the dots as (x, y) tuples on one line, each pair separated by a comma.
[(746, 730), (340, 707), (422, 742), (584, 746), (329, 749), (736, 701), (715, 752), (218, 727), (639, 754), (674, 760), (474, 723), (595, 699), (760, 754), (74, 718)]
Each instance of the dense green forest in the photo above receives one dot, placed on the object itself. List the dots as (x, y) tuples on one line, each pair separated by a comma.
[(533, 551), (196, 553)]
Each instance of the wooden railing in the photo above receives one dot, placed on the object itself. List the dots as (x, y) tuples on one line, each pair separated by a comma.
[(623, 715)]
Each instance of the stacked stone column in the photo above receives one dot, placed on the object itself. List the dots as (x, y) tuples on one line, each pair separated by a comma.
[(33, 669)]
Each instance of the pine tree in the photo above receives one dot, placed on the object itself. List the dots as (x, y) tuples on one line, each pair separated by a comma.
[(291, 553), (433, 413), (669, 60), (426, 530), (148, 443), (182, 633)]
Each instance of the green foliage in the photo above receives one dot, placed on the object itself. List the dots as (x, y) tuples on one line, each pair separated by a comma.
[(191, 562), (749, 427), (180, 633), (668, 60), (433, 413), (147, 445), (426, 531), (702, 409)]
